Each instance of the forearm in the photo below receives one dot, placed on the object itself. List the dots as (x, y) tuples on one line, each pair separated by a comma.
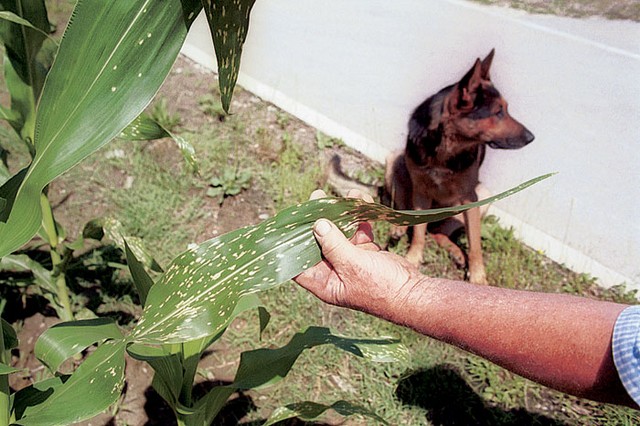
[(558, 340)]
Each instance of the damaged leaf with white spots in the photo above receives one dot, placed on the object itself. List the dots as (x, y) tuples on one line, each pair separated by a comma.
[(229, 24), (199, 290), (97, 382), (146, 128)]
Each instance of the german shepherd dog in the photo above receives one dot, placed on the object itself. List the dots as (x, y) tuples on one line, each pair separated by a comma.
[(446, 144)]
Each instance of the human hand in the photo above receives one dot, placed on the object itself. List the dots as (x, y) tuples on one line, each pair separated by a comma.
[(354, 272)]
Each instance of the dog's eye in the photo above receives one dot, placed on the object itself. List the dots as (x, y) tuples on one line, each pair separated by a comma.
[(500, 113)]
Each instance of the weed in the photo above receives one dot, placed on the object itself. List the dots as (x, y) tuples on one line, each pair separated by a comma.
[(231, 181), (212, 106), (325, 142), (160, 113), (282, 119), (294, 175)]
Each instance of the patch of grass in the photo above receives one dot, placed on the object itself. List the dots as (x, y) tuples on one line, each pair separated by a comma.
[(325, 142), (156, 201), (610, 9), (161, 114), (211, 105), (293, 175)]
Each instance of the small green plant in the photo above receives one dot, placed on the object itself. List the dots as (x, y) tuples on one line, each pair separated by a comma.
[(325, 142), (160, 114), (230, 182), (212, 106), (293, 175), (282, 119)]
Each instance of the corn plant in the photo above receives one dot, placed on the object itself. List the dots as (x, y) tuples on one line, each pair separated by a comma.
[(111, 61), (191, 304), (29, 52)]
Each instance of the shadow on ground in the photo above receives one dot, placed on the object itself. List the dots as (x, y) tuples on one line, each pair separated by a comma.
[(449, 400)]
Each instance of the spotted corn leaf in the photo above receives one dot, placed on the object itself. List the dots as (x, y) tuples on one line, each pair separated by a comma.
[(92, 388), (199, 290), (229, 24), (146, 128)]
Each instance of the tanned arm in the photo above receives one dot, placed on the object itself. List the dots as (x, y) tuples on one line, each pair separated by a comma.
[(561, 341)]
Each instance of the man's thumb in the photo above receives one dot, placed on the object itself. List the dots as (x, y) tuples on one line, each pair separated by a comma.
[(332, 241)]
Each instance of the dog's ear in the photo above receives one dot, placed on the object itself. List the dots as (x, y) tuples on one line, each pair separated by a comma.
[(486, 65), (463, 95)]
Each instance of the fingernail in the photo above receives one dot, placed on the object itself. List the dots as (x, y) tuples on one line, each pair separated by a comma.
[(322, 227)]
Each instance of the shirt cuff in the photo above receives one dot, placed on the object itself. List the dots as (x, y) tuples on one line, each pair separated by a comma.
[(626, 350)]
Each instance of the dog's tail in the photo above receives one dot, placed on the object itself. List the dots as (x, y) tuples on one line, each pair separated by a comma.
[(341, 183)]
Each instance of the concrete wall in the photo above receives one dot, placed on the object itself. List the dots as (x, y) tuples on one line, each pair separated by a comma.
[(356, 69)]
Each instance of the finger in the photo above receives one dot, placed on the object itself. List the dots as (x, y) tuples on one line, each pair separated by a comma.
[(357, 193), (317, 194), (334, 245), (315, 276), (363, 235)]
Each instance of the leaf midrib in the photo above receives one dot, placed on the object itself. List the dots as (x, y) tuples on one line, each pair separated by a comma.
[(39, 156)]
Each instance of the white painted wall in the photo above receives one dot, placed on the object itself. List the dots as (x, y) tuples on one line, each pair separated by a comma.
[(356, 69)]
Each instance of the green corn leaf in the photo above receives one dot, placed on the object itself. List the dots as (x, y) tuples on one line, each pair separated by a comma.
[(9, 336), (13, 118), (7, 369), (23, 263), (126, 48), (229, 24), (113, 230), (23, 30), (311, 411), (66, 339), (92, 388), (12, 17), (200, 288), (168, 379), (8, 192), (141, 280), (208, 407), (264, 367), (21, 116), (171, 362), (145, 128), (35, 394)]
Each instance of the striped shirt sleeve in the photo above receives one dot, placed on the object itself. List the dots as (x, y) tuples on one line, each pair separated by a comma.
[(626, 350)]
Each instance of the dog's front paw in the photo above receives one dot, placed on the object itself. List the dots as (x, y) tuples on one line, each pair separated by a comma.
[(478, 277), (414, 257)]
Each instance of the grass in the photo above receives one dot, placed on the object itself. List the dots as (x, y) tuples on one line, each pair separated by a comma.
[(610, 9)]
